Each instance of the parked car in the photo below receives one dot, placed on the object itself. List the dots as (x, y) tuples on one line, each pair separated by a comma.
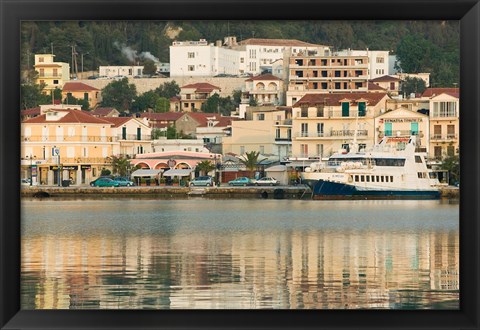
[(104, 182), (202, 181), (267, 181), (241, 181), (124, 182), (25, 182)]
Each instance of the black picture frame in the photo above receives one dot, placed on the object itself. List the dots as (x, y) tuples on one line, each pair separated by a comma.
[(13, 12)]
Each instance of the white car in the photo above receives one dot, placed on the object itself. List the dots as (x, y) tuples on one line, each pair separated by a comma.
[(25, 182), (267, 181)]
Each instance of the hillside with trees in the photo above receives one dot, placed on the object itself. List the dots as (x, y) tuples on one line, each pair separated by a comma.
[(421, 46)]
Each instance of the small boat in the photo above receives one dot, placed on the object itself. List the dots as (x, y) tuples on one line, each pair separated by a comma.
[(387, 171)]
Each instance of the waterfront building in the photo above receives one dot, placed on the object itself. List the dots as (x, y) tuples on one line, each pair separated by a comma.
[(193, 96), (444, 105), (82, 91), (52, 74), (267, 131), (161, 120), (265, 89), (309, 74), (134, 136), (68, 139), (322, 124), (163, 144), (402, 123), (111, 71)]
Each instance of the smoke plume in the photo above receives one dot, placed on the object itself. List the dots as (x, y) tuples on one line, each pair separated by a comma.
[(132, 55)]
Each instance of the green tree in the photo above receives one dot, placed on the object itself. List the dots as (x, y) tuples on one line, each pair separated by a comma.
[(31, 96), (119, 94), (121, 165), (205, 166), (250, 160), (162, 105), (172, 132), (412, 85), (212, 104), (168, 90), (414, 52), (149, 67), (252, 102), (105, 172), (145, 101), (157, 133), (73, 100), (452, 165)]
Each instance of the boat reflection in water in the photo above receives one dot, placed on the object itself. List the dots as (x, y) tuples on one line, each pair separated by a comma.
[(239, 254)]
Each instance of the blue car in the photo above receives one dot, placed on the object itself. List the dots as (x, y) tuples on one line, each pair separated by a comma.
[(124, 182), (241, 181)]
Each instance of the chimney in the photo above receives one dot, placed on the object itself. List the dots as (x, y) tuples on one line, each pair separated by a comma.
[(218, 43)]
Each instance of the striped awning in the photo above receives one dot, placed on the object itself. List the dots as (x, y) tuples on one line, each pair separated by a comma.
[(146, 173), (178, 172)]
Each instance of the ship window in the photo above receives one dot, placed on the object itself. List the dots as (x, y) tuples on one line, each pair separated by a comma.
[(356, 178), (373, 178), (391, 178), (419, 175), (386, 179), (418, 159), (368, 178), (382, 178), (362, 178), (378, 178)]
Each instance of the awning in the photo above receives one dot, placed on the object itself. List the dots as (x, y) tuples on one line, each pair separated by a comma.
[(178, 172), (276, 168), (145, 173)]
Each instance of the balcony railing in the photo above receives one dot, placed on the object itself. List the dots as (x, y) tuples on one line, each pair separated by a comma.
[(50, 75), (74, 160), (333, 133), (402, 133), (283, 122), (443, 137), (79, 138), (333, 114), (66, 138), (283, 139)]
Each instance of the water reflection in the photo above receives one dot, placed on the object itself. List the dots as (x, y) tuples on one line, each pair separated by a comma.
[(239, 254)]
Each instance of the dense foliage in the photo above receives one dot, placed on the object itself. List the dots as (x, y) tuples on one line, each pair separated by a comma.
[(422, 46)]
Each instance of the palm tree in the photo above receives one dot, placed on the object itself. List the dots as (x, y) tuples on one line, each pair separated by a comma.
[(205, 166), (250, 160), (121, 165)]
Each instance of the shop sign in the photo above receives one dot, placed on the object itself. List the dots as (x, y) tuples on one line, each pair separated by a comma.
[(67, 168), (402, 120), (86, 167), (34, 170)]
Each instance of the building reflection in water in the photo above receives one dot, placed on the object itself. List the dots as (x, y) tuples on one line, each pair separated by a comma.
[(296, 269)]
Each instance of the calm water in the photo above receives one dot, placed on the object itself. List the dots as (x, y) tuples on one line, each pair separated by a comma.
[(224, 254)]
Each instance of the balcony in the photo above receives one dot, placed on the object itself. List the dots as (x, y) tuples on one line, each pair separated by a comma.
[(131, 137), (64, 138), (50, 75), (285, 140), (443, 138), (286, 122), (401, 133), (333, 134)]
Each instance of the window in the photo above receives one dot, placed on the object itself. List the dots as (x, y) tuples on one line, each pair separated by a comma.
[(191, 55), (391, 178), (437, 131), (418, 159), (320, 112), (55, 81), (373, 178), (191, 68), (320, 129), (345, 109), (289, 133), (304, 112), (242, 60), (450, 131), (368, 178), (42, 72), (437, 151), (346, 147), (261, 116), (380, 60), (41, 59), (362, 178), (304, 129), (85, 96), (320, 150), (304, 150), (450, 150), (277, 133), (444, 109), (362, 107)]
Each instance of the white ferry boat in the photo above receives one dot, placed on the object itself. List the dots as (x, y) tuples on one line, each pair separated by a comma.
[(388, 171)]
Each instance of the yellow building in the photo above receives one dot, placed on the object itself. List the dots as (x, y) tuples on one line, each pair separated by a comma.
[(322, 124), (268, 132), (402, 123), (70, 138), (265, 89), (192, 96), (52, 74), (82, 91), (444, 121)]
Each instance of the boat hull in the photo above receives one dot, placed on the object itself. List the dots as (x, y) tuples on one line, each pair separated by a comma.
[(333, 190)]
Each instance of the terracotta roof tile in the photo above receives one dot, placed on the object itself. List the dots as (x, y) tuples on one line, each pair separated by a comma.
[(385, 79), (203, 86), (118, 121), (334, 99), (78, 87), (164, 116), (102, 111), (267, 76), (430, 92), (202, 119), (31, 111), (375, 87), (73, 116)]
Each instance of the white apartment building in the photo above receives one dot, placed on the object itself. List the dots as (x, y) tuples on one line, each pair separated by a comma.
[(378, 60), (252, 56)]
